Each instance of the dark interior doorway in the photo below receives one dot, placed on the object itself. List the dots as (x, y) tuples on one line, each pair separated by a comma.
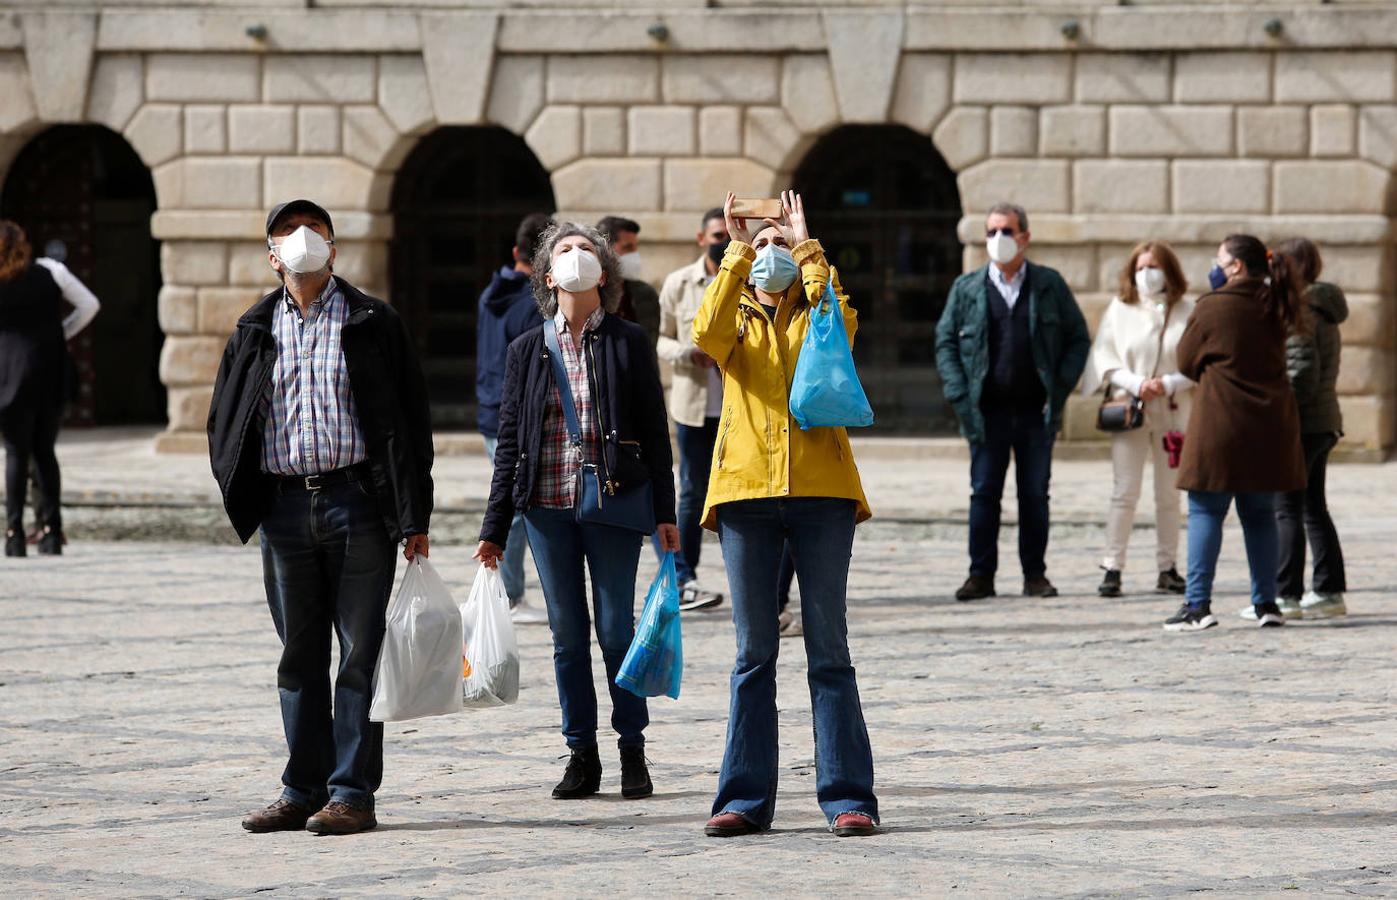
[(457, 201), (85, 198), (885, 205)]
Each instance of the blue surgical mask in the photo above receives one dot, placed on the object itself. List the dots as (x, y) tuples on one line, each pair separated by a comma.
[(774, 269), (1216, 277)]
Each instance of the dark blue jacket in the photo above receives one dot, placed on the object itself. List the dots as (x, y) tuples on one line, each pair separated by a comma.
[(507, 310)]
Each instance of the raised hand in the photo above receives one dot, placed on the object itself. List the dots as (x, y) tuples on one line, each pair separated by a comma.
[(794, 208), (737, 228)]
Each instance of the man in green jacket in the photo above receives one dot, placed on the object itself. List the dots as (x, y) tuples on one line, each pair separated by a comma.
[(1010, 347)]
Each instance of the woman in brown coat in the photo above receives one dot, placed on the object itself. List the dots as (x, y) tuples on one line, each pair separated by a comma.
[(1244, 432)]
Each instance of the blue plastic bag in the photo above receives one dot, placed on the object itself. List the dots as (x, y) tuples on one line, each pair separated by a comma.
[(826, 392), (655, 661)]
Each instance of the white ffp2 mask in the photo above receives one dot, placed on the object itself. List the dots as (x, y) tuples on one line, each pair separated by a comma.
[(303, 251), (1150, 281), (577, 270), (1002, 248), (631, 266)]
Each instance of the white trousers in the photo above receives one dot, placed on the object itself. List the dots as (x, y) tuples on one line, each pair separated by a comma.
[(1129, 450)]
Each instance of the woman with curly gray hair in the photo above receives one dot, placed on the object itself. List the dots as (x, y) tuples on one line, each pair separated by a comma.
[(610, 441)]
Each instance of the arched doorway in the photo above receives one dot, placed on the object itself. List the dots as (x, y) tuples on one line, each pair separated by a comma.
[(885, 205), (85, 198), (457, 201)]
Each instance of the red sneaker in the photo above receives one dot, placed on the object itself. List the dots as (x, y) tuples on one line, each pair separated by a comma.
[(853, 825), (728, 825)]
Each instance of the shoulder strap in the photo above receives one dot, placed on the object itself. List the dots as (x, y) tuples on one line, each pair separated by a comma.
[(560, 376), (1159, 352)]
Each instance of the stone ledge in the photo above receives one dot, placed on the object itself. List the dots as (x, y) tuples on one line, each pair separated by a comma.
[(345, 31), (1048, 228), (215, 224)]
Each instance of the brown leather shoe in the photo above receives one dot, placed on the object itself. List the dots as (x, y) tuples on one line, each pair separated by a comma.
[(341, 818), (853, 825), (282, 815), (728, 824)]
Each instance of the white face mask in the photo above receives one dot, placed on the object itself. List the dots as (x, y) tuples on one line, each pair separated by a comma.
[(577, 271), (631, 266), (303, 251), (1150, 281), (1002, 248)]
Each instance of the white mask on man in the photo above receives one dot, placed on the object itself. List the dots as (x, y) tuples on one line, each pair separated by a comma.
[(1002, 248), (577, 271), (303, 251), (631, 266), (1149, 281)]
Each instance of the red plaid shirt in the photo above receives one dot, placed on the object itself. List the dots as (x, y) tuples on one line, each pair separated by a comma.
[(558, 460)]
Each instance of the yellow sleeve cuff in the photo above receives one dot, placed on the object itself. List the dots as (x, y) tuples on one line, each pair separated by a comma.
[(809, 251)]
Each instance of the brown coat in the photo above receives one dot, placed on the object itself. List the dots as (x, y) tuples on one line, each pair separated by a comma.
[(1244, 432)]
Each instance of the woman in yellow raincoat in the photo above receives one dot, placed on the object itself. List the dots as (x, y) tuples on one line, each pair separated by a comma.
[(773, 484)]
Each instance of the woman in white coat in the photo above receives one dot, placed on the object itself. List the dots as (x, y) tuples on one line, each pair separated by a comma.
[(1134, 353)]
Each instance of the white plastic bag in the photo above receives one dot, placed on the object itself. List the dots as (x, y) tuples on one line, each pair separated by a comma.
[(492, 654), (419, 667)]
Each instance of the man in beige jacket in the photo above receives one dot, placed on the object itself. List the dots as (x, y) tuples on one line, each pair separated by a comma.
[(696, 399)]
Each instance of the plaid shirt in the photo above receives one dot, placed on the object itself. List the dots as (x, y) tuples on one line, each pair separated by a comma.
[(558, 459), (312, 425)]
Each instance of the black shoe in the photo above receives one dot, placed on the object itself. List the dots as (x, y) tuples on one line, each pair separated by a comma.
[(15, 544), (1268, 615), (976, 587), (51, 544), (1038, 587), (583, 775), (1190, 618), (635, 774), (1170, 582), (1111, 584)]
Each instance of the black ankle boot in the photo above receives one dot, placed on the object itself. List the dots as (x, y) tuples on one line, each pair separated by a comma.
[(583, 775), (635, 774), (51, 544), (14, 542)]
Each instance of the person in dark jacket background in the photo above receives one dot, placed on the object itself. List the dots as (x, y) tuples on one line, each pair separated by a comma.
[(320, 436), (640, 303), (1010, 347), (614, 379), (1243, 440), (507, 309), (1312, 362)]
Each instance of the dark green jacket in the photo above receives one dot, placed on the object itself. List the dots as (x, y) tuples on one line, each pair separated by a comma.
[(1057, 331), (1312, 361)]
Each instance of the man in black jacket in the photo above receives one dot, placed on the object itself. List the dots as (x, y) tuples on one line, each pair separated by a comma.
[(320, 437)]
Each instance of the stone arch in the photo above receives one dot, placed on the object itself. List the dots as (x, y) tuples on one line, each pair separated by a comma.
[(888, 212), (456, 201), (85, 196)]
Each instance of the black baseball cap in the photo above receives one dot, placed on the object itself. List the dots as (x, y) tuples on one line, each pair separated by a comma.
[(299, 206)]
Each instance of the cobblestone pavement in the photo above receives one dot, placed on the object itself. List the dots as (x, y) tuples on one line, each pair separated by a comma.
[(1065, 747)]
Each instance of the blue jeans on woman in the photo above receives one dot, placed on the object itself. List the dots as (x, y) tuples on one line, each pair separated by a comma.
[(820, 531), (560, 547), (1206, 512), (328, 564)]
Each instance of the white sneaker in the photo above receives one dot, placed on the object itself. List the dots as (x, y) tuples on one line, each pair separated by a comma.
[(790, 625), (1323, 606), (692, 597), (524, 614), (1290, 607)]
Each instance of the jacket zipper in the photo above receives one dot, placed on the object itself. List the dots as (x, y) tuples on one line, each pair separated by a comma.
[(589, 347), (723, 438)]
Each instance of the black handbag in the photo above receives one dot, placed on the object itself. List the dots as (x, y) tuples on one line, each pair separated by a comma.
[(597, 501), (1127, 413)]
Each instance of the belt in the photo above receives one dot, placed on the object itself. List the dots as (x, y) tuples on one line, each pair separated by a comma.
[(323, 480)]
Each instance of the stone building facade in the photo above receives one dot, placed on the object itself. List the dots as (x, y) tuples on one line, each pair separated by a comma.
[(1110, 124)]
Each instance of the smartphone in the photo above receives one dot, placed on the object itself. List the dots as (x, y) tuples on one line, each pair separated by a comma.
[(757, 209)]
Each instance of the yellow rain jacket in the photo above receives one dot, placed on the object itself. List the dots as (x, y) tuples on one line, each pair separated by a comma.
[(761, 451)]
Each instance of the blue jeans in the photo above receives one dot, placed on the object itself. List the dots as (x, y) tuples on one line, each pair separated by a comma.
[(1023, 433), (512, 566), (560, 547), (1206, 512), (328, 564), (695, 462), (820, 532)]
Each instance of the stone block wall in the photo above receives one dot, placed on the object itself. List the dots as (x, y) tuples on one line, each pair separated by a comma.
[(1151, 123)]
